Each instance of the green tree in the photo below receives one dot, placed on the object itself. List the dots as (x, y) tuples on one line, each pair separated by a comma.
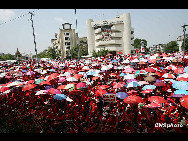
[(171, 47), (8, 57), (53, 53), (137, 43), (83, 52), (99, 53)]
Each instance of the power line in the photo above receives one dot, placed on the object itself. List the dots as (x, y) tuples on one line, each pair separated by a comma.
[(18, 17)]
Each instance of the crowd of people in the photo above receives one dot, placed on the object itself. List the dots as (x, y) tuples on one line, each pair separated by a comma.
[(28, 91)]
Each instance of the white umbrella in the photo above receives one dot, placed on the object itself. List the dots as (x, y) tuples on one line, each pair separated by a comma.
[(72, 66), (15, 83), (185, 75), (41, 92), (72, 79), (105, 68), (135, 60), (86, 68), (126, 61), (129, 76), (67, 73)]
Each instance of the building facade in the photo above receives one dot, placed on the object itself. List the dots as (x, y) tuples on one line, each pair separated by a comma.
[(157, 48), (116, 35), (180, 42), (66, 39)]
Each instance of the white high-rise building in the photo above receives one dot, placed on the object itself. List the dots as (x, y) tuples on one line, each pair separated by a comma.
[(116, 35)]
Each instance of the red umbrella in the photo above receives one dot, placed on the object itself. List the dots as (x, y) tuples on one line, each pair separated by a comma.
[(44, 83), (132, 92), (95, 78), (152, 105), (159, 84), (29, 87), (61, 87), (81, 85), (132, 99), (118, 85), (75, 92), (157, 99), (113, 74), (168, 75), (182, 79), (53, 76), (104, 86), (147, 91), (101, 92), (30, 82), (150, 70), (3, 89), (179, 70), (54, 91), (78, 76), (153, 61), (184, 101), (158, 73)]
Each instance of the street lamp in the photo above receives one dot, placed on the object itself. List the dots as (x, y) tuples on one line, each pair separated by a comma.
[(184, 29)]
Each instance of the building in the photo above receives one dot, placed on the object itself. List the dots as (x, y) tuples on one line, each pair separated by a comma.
[(116, 35), (65, 39), (180, 42), (157, 48)]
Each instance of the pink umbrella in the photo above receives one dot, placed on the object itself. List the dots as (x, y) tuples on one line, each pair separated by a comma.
[(118, 85), (152, 105), (61, 79), (168, 75), (54, 91), (128, 70), (30, 73), (81, 85), (133, 99)]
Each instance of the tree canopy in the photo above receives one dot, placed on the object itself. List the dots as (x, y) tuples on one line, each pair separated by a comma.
[(171, 47), (137, 44)]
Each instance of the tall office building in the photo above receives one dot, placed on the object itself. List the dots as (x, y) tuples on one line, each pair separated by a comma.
[(116, 35), (65, 39)]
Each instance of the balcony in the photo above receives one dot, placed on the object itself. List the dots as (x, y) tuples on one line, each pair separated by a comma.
[(97, 30), (111, 42), (116, 28), (116, 34), (98, 37), (111, 48)]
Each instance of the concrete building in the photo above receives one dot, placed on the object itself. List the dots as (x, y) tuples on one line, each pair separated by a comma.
[(157, 48), (180, 42), (116, 35), (65, 39)]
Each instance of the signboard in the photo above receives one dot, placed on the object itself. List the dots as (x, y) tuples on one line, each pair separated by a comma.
[(106, 33), (142, 49), (109, 97)]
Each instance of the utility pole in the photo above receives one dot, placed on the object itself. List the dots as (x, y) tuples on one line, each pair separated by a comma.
[(77, 36), (34, 34), (184, 29)]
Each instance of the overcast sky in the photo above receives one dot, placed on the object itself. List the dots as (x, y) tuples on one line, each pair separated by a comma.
[(155, 25)]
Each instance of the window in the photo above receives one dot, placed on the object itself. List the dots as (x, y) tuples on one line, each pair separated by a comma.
[(67, 38), (67, 43), (66, 33), (68, 47)]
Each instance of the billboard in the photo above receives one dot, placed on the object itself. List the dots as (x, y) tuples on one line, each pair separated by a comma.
[(106, 32)]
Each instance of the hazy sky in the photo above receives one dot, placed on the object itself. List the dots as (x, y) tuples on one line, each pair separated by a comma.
[(155, 25)]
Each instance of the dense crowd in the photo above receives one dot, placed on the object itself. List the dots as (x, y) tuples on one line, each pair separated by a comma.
[(28, 89)]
